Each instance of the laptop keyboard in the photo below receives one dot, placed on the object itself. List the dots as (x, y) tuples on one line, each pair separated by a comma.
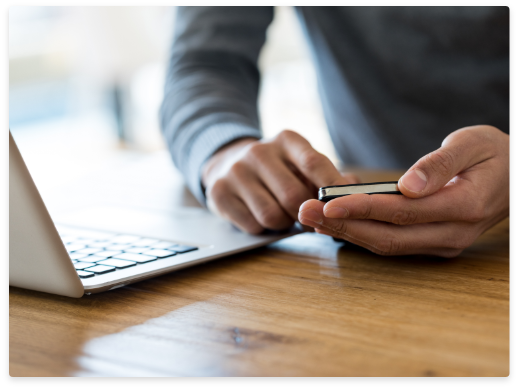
[(108, 253)]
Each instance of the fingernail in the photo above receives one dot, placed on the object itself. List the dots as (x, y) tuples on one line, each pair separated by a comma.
[(414, 180), (311, 215), (336, 213)]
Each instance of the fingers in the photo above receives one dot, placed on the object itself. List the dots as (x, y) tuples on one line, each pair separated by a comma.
[(262, 205), (314, 165), (390, 240), (288, 189), (444, 239), (242, 199), (460, 150), (453, 202), (259, 185), (228, 206)]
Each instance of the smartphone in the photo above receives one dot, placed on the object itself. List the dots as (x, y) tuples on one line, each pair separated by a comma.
[(327, 193)]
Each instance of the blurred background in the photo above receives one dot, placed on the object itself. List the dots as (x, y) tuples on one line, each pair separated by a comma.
[(87, 82)]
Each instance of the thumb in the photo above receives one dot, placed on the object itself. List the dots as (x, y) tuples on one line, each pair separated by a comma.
[(460, 150)]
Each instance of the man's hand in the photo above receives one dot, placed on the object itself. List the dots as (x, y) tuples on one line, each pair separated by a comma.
[(451, 196), (261, 184)]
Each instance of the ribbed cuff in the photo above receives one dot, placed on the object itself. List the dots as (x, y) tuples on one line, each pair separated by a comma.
[(205, 145)]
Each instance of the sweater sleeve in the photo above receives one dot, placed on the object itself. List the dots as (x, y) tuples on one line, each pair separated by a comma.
[(212, 83)]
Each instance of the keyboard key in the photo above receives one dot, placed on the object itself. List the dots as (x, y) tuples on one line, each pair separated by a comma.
[(71, 247), (98, 235), (93, 258), (162, 245), (68, 239), (76, 256), (135, 257), (137, 250), (83, 265), (160, 253), (101, 269), (84, 274), (144, 242), (124, 239), (181, 249), (89, 250), (102, 244), (118, 263), (118, 247), (108, 253), (85, 241)]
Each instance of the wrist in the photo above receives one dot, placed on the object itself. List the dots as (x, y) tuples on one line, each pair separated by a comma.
[(222, 155)]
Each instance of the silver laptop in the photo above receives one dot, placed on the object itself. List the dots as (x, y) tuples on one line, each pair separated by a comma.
[(98, 249)]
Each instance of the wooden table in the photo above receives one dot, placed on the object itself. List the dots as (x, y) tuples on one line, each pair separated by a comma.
[(301, 307)]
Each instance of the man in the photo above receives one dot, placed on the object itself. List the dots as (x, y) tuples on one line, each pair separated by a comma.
[(396, 83)]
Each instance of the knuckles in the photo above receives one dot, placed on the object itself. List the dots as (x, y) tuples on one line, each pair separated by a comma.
[(403, 218), (271, 218), (218, 190), (477, 213), (440, 161), (259, 152), (365, 207), (481, 133), (286, 136), (475, 208), (311, 159), (291, 199), (461, 242), (238, 170), (253, 228), (388, 245)]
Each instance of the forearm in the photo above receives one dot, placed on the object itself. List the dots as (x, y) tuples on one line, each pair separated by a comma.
[(212, 85)]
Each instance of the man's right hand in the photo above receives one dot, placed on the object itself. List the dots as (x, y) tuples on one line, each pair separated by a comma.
[(258, 184)]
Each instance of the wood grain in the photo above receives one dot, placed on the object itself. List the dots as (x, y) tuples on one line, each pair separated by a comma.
[(305, 306)]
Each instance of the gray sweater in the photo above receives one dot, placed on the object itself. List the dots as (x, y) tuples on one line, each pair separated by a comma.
[(394, 82)]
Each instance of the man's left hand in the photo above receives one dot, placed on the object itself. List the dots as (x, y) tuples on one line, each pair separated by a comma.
[(451, 196)]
